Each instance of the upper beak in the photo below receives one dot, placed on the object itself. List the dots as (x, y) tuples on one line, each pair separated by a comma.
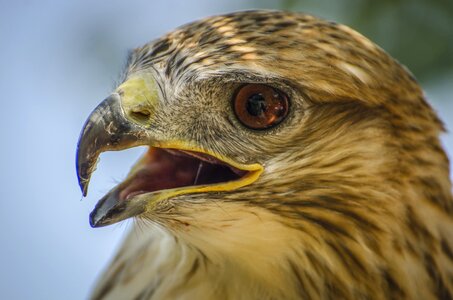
[(106, 129)]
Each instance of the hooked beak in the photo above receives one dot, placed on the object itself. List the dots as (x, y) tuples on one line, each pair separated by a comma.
[(107, 129)]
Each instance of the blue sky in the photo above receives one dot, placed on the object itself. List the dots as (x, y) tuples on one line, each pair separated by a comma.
[(58, 60)]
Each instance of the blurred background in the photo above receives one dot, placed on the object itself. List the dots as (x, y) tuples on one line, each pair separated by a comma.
[(59, 59)]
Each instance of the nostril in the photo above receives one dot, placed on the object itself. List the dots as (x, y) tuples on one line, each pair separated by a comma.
[(140, 113)]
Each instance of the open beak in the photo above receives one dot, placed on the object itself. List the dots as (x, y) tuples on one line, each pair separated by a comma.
[(168, 168)]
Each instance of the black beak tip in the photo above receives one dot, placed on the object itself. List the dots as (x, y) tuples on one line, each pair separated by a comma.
[(94, 220), (83, 188), (81, 172)]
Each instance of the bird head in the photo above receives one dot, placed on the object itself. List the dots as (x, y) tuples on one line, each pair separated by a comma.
[(268, 122)]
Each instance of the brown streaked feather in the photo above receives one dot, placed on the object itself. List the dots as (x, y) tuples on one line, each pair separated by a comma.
[(355, 201)]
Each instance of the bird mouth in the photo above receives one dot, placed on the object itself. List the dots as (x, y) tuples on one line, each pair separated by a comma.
[(180, 171), (163, 173), (166, 170)]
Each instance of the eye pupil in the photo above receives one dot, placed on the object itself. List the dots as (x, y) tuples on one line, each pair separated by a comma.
[(256, 105)]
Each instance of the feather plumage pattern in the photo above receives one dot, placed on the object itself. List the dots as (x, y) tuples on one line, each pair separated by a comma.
[(352, 199)]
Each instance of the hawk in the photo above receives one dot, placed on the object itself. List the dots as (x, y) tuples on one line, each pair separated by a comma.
[(288, 158)]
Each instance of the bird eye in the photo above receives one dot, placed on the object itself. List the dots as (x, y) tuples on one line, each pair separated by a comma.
[(259, 106)]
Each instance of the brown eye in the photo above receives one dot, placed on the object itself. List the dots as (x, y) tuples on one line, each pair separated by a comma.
[(260, 106)]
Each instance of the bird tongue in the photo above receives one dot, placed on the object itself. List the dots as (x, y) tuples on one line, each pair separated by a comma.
[(162, 169)]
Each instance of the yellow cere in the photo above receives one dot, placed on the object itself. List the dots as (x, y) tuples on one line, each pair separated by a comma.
[(138, 91)]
